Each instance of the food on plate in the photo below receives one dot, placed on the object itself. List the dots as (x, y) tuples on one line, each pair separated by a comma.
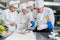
[(6, 33)]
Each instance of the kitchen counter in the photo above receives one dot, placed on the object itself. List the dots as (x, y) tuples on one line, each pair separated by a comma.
[(42, 36), (39, 36)]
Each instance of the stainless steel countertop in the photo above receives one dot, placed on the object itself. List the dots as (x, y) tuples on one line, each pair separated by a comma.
[(51, 3), (39, 36)]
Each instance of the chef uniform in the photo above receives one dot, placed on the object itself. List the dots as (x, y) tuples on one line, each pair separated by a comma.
[(30, 5), (45, 19), (9, 16), (22, 19)]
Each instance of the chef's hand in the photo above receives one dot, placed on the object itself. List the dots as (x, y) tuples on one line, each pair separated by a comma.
[(27, 31), (41, 27), (12, 23), (29, 24)]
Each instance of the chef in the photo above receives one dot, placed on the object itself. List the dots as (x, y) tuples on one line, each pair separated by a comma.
[(10, 15), (30, 5), (43, 17), (23, 18)]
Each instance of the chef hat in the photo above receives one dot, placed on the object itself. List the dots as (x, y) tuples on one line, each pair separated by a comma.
[(30, 3), (39, 3), (14, 3), (23, 6)]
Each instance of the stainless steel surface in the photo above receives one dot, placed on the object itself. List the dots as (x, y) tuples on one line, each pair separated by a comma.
[(2, 6), (56, 0), (42, 36), (52, 3), (56, 29), (39, 36)]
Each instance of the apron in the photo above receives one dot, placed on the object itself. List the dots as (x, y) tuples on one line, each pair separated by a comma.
[(22, 22)]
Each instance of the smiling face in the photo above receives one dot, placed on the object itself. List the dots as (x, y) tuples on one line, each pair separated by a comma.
[(39, 10), (12, 8), (24, 11)]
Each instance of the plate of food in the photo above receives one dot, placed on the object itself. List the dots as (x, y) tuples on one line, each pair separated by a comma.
[(6, 33)]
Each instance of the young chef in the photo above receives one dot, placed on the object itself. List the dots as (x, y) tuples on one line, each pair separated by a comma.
[(10, 15), (24, 19)]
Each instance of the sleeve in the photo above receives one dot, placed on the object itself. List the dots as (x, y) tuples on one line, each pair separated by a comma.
[(49, 24), (4, 18), (51, 20), (16, 18), (32, 20)]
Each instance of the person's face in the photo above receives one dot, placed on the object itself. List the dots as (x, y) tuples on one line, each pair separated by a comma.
[(12, 8), (24, 11), (39, 10), (31, 8)]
